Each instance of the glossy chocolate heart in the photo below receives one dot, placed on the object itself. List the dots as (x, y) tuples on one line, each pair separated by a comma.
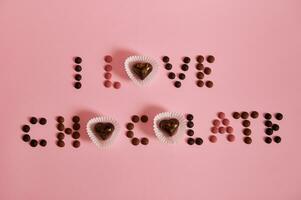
[(104, 130), (169, 126), (142, 70)]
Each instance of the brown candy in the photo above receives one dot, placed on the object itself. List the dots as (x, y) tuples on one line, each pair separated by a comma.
[(104, 130), (144, 141), (169, 126), (142, 70)]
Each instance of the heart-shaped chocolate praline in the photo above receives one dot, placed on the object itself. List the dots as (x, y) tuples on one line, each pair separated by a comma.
[(169, 126), (142, 70), (104, 129)]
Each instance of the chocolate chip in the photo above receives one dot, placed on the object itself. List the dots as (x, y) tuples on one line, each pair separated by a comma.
[(181, 76), (75, 119), (246, 123), (60, 127), (42, 121), (207, 70), (247, 140), (144, 141), (275, 127), (278, 116), (135, 141), (33, 143), (77, 85), (199, 66), (171, 75), (78, 77), (186, 60), (254, 114), (189, 117), (190, 132), (76, 143), (43, 142), (244, 115), (210, 59), (129, 134), (25, 128), (268, 140), (33, 120), (60, 143), (60, 136), (77, 60), (246, 131), (269, 131), (231, 138), (200, 58), (200, 75), (177, 84), (190, 141), (184, 67), (198, 141), (76, 126), (75, 135), (78, 68), (60, 119), (200, 83), (144, 118), (135, 118), (190, 124), (165, 59), (277, 139), (168, 66), (130, 126), (268, 123), (209, 84), (68, 131), (267, 116), (26, 138), (236, 115), (108, 58), (213, 138)]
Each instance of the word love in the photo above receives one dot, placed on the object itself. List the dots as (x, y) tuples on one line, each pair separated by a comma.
[(168, 128)]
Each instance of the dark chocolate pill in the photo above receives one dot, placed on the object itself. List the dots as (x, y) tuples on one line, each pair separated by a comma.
[(25, 128), (75, 119), (198, 141), (76, 126), (60, 119), (165, 59), (135, 141), (190, 141), (210, 59), (200, 83), (186, 60), (42, 121), (33, 120), (189, 117), (278, 116), (130, 126), (135, 118), (267, 116), (60, 127), (60, 136), (108, 59), (244, 115), (171, 75), (75, 135), (236, 115), (77, 60), (277, 139), (76, 143), (254, 114), (190, 124), (269, 131), (129, 134), (78, 77), (26, 138), (184, 67), (268, 123), (200, 75), (177, 84), (144, 141), (43, 142), (247, 140), (246, 123), (199, 66), (268, 140), (181, 76), (246, 131), (33, 143), (168, 66), (144, 118), (207, 70), (200, 58), (190, 132), (60, 143), (275, 127), (78, 68), (68, 131), (77, 85), (209, 84)]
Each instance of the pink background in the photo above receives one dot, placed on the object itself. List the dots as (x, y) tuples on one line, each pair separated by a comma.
[(257, 49)]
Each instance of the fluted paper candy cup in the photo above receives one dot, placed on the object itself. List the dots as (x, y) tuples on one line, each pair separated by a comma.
[(93, 135), (132, 60), (161, 135)]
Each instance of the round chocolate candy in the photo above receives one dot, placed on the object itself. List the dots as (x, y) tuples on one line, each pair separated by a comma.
[(214, 129), (78, 77), (107, 83), (236, 115), (246, 123), (77, 60), (221, 115), (108, 68), (68, 131), (254, 114), (75, 135), (76, 126), (189, 117), (76, 143), (33, 120), (268, 123), (190, 132), (108, 58), (108, 75), (277, 139), (275, 127), (246, 131), (200, 58), (130, 126), (244, 115), (216, 122), (231, 138), (213, 138), (77, 85), (207, 70), (226, 122), (75, 119), (269, 131), (60, 143), (60, 127), (25, 128), (177, 84), (33, 143), (135, 141), (278, 116), (209, 84), (221, 130), (229, 129), (43, 142), (186, 60), (200, 75), (144, 141), (267, 116), (171, 75), (199, 66), (168, 66), (190, 141), (200, 83), (116, 85), (198, 141), (60, 136), (129, 134), (210, 59), (135, 118), (60, 119), (190, 124), (247, 140), (165, 59), (184, 67), (78, 68), (26, 138), (268, 140), (144, 118), (42, 121), (181, 76)]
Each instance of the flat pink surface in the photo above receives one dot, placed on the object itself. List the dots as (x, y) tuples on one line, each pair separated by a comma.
[(257, 48)]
